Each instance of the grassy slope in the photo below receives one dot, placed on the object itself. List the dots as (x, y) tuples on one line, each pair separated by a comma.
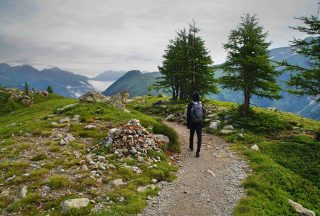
[(51, 157), (288, 166)]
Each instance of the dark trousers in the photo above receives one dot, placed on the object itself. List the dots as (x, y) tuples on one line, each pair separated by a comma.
[(196, 128)]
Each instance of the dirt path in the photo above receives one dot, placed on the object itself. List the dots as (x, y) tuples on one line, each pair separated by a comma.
[(209, 185)]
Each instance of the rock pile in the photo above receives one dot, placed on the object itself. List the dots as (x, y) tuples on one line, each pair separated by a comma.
[(133, 139)]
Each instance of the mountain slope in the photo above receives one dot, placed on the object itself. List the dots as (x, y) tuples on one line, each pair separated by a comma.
[(135, 82), (63, 82), (109, 75)]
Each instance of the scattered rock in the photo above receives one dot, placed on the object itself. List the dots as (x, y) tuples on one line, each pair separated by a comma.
[(161, 138), (74, 203), (272, 109), (93, 97), (211, 173), (301, 210), (170, 117), (23, 192), (120, 100), (214, 124), (5, 193), (228, 127), (225, 132), (62, 109), (64, 120), (255, 147), (10, 178), (144, 188), (67, 139), (89, 127), (117, 182)]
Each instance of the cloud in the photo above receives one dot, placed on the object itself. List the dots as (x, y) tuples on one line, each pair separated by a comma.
[(89, 37)]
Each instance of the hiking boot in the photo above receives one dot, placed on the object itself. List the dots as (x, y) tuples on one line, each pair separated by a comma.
[(197, 154)]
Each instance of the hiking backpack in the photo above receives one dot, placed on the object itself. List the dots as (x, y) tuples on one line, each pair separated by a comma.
[(197, 112)]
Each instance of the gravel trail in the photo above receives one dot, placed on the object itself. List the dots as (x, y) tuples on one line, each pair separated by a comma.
[(209, 185)]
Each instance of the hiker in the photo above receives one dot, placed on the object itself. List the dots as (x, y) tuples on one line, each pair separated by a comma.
[(195, 120)]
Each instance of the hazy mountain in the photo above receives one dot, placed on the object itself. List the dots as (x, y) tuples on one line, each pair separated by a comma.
[(63, 82), (135, 82), (109, 75)]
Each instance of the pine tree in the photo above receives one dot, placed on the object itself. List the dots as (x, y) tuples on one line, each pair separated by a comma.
[(50, 89), (248, 68), (306, 81), (26, 88), (187, 66)]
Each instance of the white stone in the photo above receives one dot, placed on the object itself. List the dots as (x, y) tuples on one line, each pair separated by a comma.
[(228, 127), (300, 209), (225, 131), (214, 124), (117, 182), (144, 188), (74, 203), (89, 127), (211, 173), (161, 138), (65, 120), (23, 192), (255, 147)]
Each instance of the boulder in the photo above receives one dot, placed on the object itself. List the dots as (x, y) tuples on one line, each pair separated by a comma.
[(119, 100), (161, 138), (90, 127), (117, 182), (144, 188), (23, 192), (62, 109), (228, 127), (226, 131), (170, 117), (74, 203), (93, 97), (214, 124), (255, 147), (272, 109), (301, 210)]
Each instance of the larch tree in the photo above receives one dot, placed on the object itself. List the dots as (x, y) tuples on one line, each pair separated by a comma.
[(248, 68)]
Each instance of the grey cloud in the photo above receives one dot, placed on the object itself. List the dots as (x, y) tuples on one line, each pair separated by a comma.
[(91, 36)]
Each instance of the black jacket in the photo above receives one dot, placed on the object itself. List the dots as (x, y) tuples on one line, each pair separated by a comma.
[(189, 118)]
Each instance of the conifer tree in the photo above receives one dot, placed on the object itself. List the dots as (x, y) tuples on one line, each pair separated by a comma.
[(187, 66), (306, 80), (248, 68), (26, 88), (49, 89)]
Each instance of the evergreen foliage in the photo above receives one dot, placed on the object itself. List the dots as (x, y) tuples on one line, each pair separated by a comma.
[(307, 80), (248, 68), (187, 66), (26, 88), (50, 89)]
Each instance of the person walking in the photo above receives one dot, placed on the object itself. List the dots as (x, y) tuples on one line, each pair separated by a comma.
[(195, 121)]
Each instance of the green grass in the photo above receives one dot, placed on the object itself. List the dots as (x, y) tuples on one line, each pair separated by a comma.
[(58, 181), (288, 166)]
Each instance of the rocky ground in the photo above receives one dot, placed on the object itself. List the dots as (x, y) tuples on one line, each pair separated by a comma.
[(209, 185)]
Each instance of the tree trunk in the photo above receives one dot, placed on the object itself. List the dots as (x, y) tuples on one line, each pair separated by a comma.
[(246, 104)]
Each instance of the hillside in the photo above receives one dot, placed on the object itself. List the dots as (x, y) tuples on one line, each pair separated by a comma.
[(52, 159), (281, 149), (63, 82), (135, 82), (52, 155)]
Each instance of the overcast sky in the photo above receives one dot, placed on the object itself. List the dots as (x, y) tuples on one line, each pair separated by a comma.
[(91, 36)]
